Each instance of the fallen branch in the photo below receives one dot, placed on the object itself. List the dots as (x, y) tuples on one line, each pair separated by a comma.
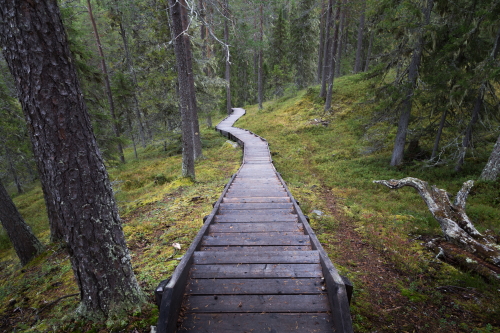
[(455, 224)]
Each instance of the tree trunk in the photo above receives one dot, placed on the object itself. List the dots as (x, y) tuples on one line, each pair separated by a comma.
[(229, 107), (404, 119), (492, 168), (322, 42), (369, 52), (466, 141), (183, 73), (341, 42), (131, 69), (438, 135), (8, 154), (455, 224), (359, 46), (260, 75), (26, 245), (333, 51), (69, 162), (114, 123), (327, 55)]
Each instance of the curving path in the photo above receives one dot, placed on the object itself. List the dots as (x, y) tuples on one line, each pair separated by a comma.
[(256, 265)]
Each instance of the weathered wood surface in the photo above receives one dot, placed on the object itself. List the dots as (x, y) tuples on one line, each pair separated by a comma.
[(257, 265)]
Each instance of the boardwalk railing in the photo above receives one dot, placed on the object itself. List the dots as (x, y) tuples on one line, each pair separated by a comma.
[(256, 264)]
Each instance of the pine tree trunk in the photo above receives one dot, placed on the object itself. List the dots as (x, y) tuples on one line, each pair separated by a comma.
[(8, 155), (26, 245), (466, 141), (322, 42), (69, 162), (369, 52), (341, 42), (183, 73), (260, 75), (438, 135), (331, 73), (404, 119), (114, 123), (327, 55), (131, 69), (229, 108), (359, 45)]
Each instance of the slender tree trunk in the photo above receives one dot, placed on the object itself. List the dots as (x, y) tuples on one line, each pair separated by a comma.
[(8, 154), (369, 52), (227, 74), (333, 60), (466, 141), (260, 75), (26, 245), (327, 55), (359, 46), (69, 162), (322, 42), (341, 42), (404, 119), (183, 73), (132, 136), (107, 84), (131, 69), (438, 135)]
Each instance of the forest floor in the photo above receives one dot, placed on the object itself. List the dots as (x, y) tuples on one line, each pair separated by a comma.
[(373, 235)]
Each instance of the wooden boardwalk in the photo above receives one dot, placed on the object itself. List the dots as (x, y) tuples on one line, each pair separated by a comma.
[(256, 265)]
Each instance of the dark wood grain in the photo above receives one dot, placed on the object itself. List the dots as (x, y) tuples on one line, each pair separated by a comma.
[(272, 257), (256, 271)]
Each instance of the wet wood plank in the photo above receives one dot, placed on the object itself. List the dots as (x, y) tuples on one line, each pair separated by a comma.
[(255, 227), (257, 248), (256, 199), (270, 211), (256, 218), (257, 322), (266, 257), (256, 271), (255, 286), (254, 206), (258, 303), (259, 240)]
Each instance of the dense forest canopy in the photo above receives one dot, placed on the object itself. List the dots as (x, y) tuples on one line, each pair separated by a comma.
[(149, 73)]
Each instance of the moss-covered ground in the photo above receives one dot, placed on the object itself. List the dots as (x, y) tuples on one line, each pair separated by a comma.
[(329, 161)]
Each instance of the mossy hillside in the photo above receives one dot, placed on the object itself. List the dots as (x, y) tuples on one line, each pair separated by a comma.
[(158, 208), (341, 152)]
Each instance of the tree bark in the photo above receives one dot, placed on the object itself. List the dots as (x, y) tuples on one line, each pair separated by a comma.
[(183, 73), (455, 224), (404, 119), (492, 169), (26, 245), (114, 123), (327, 55), (69, 162), (322, 42), (466, 141), (341, 42), (438, 135), (359, 45), (333, 60), (260, 75), (8, 154), (227, 73), (369, 52)]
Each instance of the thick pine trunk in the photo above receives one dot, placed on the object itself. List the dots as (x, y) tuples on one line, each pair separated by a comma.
[(107, 84), (404, 118), (455, 224), (359, 45), (327, 53), (69, 162), (333, 60), (26, 245), (183, 73)]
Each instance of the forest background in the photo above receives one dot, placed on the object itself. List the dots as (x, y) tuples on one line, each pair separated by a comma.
[(425, 90)]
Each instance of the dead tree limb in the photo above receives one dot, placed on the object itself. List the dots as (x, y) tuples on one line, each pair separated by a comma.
[(455, 224)]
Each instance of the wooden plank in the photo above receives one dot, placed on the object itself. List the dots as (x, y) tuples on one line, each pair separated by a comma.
[(256, 199), (261, 240), (270, 211), (258, 303), (256, 218), (257, 322), (256, 248), (255, 227), (264, 257), (256, 286), (253, 206), (245, 271), (259, 193), (252, 234)]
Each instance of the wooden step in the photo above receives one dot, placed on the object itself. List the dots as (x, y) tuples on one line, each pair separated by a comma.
[(241, 271), (272, 257)]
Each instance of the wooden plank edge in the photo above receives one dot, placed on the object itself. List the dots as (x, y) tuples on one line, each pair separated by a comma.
[(336, 287)]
